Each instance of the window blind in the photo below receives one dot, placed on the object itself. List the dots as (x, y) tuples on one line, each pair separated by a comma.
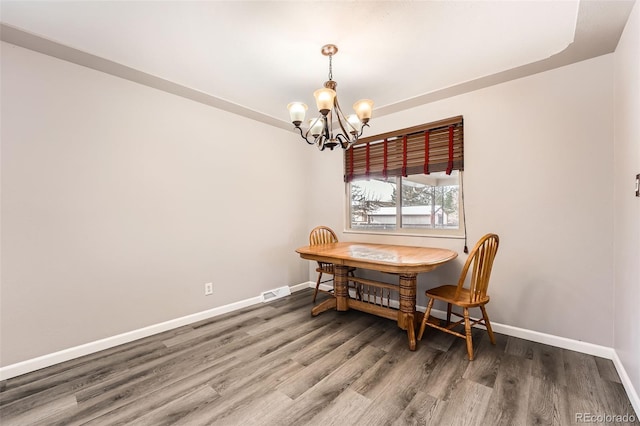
[(424, 149)]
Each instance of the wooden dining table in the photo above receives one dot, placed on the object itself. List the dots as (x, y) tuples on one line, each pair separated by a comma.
[(405, 261)]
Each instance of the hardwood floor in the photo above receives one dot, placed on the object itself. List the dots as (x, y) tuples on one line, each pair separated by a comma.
[(274, 364)]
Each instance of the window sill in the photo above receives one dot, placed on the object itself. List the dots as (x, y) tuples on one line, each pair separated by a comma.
[(407, 233)]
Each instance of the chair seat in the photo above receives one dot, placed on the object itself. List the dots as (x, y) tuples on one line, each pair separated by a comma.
[(447, 293)]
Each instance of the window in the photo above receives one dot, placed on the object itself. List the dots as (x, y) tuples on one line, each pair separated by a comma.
[(424, 203), (407, 181)]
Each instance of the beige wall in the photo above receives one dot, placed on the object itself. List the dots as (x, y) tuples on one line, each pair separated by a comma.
[(626, 205), (120, 201), (539, 172)]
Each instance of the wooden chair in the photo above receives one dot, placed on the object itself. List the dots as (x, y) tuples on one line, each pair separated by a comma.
[(480, 260), (324, 235)]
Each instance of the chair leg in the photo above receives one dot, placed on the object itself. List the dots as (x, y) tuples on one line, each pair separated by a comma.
[(448, 313), (487, 324), (423, 325), (315, 293), (467, 331)]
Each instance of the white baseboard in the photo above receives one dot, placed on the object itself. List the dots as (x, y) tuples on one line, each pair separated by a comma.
[(302, 286), (48, 360), (628, 385)]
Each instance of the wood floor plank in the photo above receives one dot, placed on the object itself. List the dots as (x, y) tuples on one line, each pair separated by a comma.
[(487, 357), (361, 334), (309, 334), (130, 390), (437, 339), (242, 375), (235, 316), (90, 362), (548, 363), (369, 384), (383, 412), (390, 337), (614, 402), (548, 404), (173, 411), (132, 383), (260, 413), (320, 395), (346, 409), (520, 347), (448, 371), (607, 370), (509, 400), (275, 364), (582, 385), (321, 347), (192, 358), (41, 413), (473, 397), (163, 393), (398, 385), (280, 337), (422, 410), (286, 320), (77, 375), (230, 403), (205, 333)]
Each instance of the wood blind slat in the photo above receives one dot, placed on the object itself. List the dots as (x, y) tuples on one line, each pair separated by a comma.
[(399, 161)]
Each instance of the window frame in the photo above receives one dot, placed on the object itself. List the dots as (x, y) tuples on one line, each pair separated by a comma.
[(398, 229)]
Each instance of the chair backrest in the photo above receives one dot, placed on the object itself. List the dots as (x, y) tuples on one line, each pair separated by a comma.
[(481, 261), (322, 235)]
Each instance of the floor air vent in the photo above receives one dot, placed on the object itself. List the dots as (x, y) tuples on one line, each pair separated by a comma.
[(277, 293)]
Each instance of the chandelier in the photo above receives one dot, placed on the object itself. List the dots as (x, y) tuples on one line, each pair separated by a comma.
[(320, 130)]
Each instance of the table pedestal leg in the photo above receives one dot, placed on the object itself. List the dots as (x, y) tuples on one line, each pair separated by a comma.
[(324, 306), (340, 300), (407, 312), (341, 287)]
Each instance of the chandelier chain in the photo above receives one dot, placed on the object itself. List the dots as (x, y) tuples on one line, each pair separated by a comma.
[(330, 67)]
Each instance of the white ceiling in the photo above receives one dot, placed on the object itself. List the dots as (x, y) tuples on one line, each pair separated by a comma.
[(252, 58)]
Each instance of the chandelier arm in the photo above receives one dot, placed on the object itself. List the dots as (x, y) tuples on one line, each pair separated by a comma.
[(342, 138), (304, 136), (341, 117), (319, 142), (362, 129), (342, 120), (328, 126), (345, 142)]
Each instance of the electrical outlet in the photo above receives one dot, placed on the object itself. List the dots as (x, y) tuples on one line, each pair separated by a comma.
[(208, 289)]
